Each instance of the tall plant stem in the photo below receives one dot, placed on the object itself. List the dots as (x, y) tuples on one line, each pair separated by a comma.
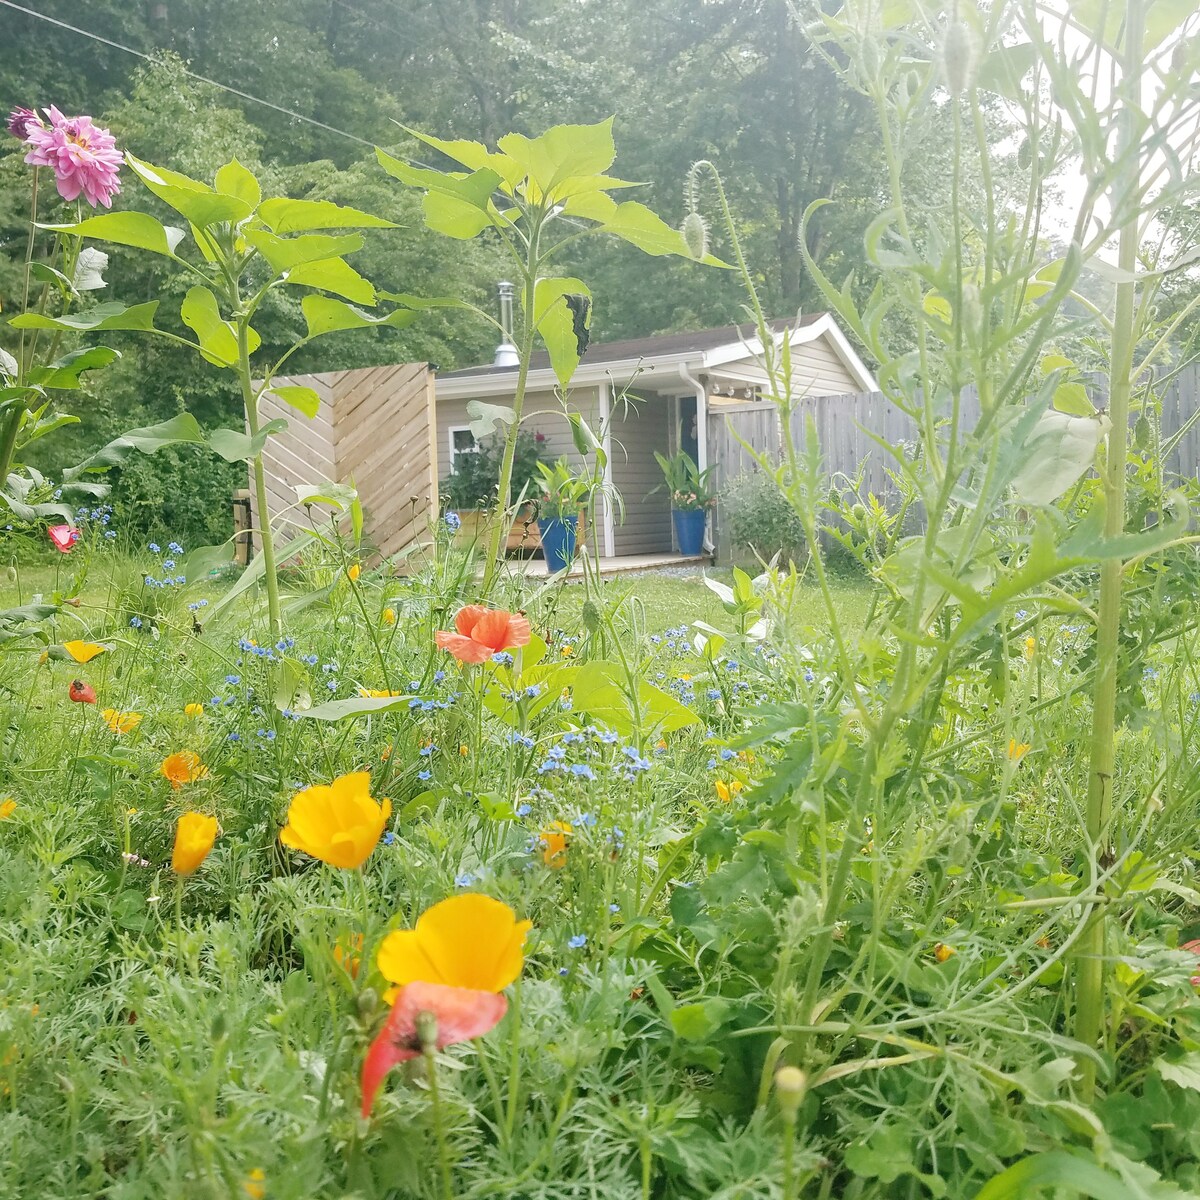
[(439, 1127), (260, 484), (495, 554), (1089, 998)]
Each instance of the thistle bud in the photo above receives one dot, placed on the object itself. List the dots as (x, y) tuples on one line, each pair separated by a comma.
[(695, 234), (791, 1086), (960, 56)]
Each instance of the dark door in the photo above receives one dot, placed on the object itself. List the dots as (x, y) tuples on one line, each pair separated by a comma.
[(688, 438)]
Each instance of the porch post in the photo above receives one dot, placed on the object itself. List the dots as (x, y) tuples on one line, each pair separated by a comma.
[(609, 538)]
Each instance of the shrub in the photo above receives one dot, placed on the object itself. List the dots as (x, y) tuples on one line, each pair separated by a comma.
[(473, 482), (758, 515)]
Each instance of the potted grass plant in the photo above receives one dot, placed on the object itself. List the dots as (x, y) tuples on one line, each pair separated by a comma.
[(690, 500), (560, 512)]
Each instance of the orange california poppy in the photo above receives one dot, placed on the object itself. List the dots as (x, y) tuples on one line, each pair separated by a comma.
[(184, 766), (1017, 750), (483, 632), (194, 837), (7, 807), (554, 840)]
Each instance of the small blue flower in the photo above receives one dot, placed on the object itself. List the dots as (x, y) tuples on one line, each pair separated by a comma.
[(586, 819), (564, 971), (523, 810), (332, 685), (174, 547), (465, 879), (135, 622), (502, 658), (389, 838), (110, 533), (614, 908), (453, 522), (577, 942), (714, 693), (153, 548), (426, 751), (233, 679), (234, 736), (727, 754), (438, 676), (168, 564), (423, 775)]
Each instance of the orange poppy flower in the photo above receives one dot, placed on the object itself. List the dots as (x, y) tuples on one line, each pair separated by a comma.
[(483, 632), (1017, 750), (353, 572), (388, 616), (727, 791), (184, 766), (340, 823), (7, 807), (554, 840), (348, 954)]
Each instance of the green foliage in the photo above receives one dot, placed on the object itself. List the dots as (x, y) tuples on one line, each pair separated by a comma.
[(473, 481), (758, 516), (687, 486)]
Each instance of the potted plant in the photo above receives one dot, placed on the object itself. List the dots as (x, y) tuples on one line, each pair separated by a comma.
[(563, 495), (470, 488), (690, 500)]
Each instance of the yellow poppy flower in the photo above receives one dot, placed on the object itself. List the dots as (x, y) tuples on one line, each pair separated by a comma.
[(193, 710), (184, 766), (7, 807), (121, 722), (727, 791), (340, 823), (1017, 750), (254, 1184), (942, 952), (467, 941), (1030, 647), (377, 693), (388, 616), (194, 837), (353, 572), (83, 652), (464, 749)]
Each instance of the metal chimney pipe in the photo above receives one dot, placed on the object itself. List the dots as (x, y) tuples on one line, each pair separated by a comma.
[(506, 352)]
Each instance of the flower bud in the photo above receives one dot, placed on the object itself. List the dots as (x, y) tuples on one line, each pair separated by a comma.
[(368, 1002), (427, 1031), (960, 56), (695, 234), (791, 1086)]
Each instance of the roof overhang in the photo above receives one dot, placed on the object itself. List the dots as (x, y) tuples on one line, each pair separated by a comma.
[(652, 369)]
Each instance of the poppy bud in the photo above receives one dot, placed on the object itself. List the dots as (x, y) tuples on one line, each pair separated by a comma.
[(791, 1084), (695, 234), (81, 693), (368, 1002), (959, 57)]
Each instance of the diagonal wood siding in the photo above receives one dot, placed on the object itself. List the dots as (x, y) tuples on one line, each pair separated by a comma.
[(375, 429)]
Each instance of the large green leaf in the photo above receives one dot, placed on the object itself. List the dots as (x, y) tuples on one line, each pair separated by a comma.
[(297, 216), (136, 229), (334, 275), (232, 445), (179, 429), (473, 155), (284, 254), (233, 179), (359, 706), (1054, 1168), (324, 315), (456, 205), (645, 229), (561, 153), (1060, 448), (109, 315), (601, 691), (555, 322), (64, 372), (218, 338), (195, 201), (203, 560), (302, 399)]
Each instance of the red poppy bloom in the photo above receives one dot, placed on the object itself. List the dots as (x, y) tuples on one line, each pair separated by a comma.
[(458, 1014), (64, 537), (483, 632), (81, 693)]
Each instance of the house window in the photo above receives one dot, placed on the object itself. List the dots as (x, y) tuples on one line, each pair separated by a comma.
[(462, 441)]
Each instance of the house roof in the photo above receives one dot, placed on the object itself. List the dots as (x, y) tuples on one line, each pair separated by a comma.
[(660, 355), (655, 346)]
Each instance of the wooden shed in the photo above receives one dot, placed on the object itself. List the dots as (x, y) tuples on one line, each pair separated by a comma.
[(375, 428)]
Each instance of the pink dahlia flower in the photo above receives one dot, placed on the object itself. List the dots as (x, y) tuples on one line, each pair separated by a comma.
[(20, 121), (84, 157)]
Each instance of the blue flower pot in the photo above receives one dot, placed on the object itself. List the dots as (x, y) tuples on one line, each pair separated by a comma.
[(558, 541), (689, 530)]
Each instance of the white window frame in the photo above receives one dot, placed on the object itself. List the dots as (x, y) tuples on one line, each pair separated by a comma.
[(455, 451)]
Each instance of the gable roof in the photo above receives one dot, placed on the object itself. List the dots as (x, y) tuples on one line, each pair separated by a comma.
[(655, 346), (698, 349)]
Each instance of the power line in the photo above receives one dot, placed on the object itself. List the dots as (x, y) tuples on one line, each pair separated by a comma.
[(95, 37)]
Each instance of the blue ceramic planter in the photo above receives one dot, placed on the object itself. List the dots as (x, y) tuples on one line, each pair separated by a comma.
[(689, 530), (558, 541)]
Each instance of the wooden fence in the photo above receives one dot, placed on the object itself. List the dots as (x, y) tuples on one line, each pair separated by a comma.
[(847, 428)]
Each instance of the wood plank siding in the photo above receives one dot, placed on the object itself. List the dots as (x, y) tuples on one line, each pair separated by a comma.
[(637, 432), (375, 428)]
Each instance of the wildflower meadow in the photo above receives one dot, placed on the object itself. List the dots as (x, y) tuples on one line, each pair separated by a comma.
[(864, 871)]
